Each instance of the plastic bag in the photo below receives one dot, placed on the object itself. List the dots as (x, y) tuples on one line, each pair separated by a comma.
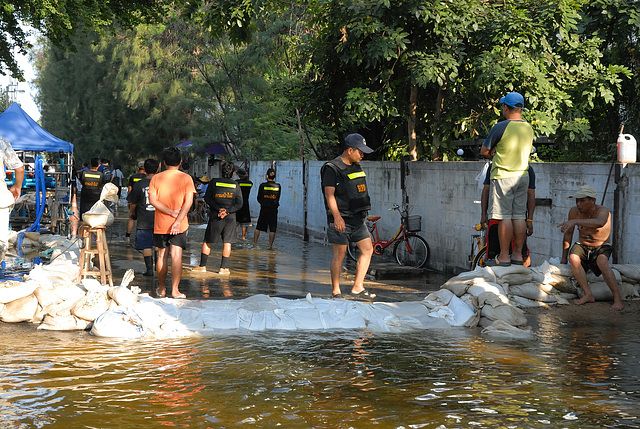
[(98, 215)]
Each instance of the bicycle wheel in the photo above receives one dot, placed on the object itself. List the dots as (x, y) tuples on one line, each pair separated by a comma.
[(352, 251), (412, 251), (480, 260)]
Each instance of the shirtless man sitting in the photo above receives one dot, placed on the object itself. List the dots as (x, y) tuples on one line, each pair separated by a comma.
[(592, 251)]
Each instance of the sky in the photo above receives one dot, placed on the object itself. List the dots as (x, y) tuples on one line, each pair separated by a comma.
[(26, 90)]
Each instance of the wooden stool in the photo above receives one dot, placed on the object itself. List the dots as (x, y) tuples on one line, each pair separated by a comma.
[(101, 249)]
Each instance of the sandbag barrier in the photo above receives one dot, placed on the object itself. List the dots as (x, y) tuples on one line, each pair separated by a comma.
[(491, 298)]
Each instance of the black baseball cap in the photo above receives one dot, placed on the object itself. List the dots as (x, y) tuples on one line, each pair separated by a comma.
[(356, 141)]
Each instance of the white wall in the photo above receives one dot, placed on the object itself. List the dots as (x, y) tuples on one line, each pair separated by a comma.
[(446, 195)]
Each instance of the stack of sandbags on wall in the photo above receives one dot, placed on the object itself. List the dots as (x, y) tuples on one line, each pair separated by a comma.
[(485, 290)]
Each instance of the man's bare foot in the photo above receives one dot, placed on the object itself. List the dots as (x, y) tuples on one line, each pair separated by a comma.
[(617, 306), (585, 299)]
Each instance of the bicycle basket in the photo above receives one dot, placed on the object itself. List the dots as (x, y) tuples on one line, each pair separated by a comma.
[(414, 223)]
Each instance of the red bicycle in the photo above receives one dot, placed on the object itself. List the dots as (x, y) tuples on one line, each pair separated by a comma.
[(409, 248)]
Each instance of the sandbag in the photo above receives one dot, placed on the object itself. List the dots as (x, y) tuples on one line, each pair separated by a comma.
[(629, 271), (516, 278), (522, 302), (502, 329), (601, 292), (505, 312), (118, 323), (123, 296), (12, 290), (20, 310), (531, 291), (482, 287), (91, 306), (63, 322), (458, 286), (511, 269)]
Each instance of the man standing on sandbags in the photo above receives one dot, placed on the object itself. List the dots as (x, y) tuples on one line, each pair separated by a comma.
[(10, 160), (512, 140), (593, 250), (346, 199)]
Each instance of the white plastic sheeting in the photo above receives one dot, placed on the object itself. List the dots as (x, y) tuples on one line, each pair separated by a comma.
[(162, 318)]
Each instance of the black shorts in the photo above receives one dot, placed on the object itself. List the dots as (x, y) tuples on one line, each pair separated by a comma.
[(224, 229), (353, 232), (268, 219), (589, 254), (162, 241)]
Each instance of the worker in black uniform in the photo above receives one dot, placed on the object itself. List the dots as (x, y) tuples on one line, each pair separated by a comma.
[(347, 202), (92, 182), (243, 217), (269, 199), (224, 198)]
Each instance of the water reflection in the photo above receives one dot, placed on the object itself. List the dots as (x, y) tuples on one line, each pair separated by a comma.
[(339, 379)]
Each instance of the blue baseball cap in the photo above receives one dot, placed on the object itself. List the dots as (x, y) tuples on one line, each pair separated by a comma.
[(514, 99), (356, 141)]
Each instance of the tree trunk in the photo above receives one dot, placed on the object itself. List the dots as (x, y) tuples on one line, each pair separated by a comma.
[(437, 141), (411, 122)]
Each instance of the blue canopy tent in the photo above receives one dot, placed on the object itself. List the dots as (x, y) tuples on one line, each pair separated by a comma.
[(25, 134)]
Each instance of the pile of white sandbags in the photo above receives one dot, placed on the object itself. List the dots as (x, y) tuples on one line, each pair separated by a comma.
[(499, 293)]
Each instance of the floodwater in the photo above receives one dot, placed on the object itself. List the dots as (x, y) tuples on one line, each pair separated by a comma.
[(578, 373)]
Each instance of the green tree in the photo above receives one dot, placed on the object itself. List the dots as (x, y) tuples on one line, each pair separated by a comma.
[(450, 61), (59, 22)]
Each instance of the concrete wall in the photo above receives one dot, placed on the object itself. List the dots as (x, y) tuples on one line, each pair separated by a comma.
[(447, 196)]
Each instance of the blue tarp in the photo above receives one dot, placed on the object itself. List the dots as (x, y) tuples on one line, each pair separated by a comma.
[(25, 134)]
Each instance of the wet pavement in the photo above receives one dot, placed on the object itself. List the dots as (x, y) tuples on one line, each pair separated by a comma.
[(292, 269)]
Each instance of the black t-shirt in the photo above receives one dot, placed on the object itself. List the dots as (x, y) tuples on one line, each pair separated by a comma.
[(139, 196), (136, 177)]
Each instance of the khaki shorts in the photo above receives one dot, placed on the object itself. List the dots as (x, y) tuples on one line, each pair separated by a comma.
[(508, 198)]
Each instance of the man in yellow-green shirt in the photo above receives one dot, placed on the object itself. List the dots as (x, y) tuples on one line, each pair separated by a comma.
[(509, 145)]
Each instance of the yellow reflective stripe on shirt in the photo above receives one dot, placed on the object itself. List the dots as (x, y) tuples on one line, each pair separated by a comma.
[(271, 188), (225, 185), (356, 175), (93, 176), (246, 184)]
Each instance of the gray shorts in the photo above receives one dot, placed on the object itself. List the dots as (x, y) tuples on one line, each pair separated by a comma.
[(508, 198), (352, 233)]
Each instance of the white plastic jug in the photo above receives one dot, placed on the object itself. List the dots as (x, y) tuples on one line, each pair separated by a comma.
[(626, 148)]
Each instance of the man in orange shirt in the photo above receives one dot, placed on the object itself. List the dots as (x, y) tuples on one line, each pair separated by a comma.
[(171, 193)]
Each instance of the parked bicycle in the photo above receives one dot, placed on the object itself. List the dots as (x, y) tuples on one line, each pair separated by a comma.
[(478, 255), (409, 248)]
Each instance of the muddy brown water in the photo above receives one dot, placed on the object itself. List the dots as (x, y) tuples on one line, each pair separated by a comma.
[(580, 371)]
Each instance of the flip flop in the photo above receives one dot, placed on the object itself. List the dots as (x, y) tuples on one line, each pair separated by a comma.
[(160, 295), (363, 295), (496, 263), (181, 296), (337, 296), (517, 262)]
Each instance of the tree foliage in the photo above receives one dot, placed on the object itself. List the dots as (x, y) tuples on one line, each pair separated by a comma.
[(276, 79), (60, 21)]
